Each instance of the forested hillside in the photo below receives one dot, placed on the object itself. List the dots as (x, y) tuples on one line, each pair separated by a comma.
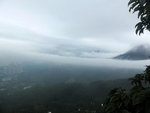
[(23, 97)]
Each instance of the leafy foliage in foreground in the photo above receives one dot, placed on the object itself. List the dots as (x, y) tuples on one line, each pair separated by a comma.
[(142, 7), (136, 100)]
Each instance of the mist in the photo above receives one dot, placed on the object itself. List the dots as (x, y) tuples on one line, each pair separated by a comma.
[(48, 32), (64, 56)]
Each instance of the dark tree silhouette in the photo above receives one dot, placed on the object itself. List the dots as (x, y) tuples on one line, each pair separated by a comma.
[(136, 100), (142, 7), (137, 80)]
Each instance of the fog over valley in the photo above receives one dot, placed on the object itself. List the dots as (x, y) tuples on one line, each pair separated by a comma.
[(67, 36), (64, 56), (21, 45)]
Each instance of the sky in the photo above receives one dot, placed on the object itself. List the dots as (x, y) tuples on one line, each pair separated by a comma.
[(87, 32)]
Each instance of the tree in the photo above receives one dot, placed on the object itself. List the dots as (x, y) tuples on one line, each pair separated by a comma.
[(137, 80), (142, 7), (136, 100)]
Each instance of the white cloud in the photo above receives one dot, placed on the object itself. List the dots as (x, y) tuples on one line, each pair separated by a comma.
[(67, 29)]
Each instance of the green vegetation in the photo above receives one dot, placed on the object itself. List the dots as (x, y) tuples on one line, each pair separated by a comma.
[(67, 89), (25, 97), (142, 7), (136, 100)]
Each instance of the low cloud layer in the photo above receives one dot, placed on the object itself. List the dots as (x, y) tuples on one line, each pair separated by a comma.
[(78, 32)]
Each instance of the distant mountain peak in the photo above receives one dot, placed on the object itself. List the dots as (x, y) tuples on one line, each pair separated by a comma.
[(140, 52)]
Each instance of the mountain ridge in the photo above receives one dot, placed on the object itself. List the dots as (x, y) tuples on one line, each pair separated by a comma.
[(140, 52)]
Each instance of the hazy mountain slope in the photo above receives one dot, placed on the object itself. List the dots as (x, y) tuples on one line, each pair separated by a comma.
[(141, 52)]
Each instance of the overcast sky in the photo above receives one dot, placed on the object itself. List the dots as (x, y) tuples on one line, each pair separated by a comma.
[(67, 30)]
